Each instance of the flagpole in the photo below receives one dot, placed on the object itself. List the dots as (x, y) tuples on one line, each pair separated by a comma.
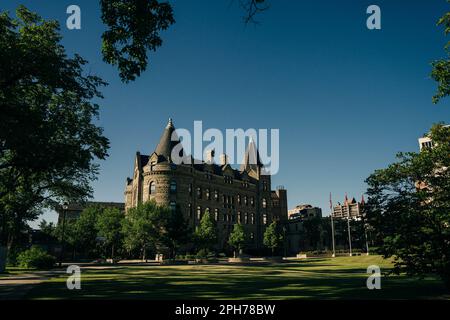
[(364, 223), (348, 226), (332, 228)]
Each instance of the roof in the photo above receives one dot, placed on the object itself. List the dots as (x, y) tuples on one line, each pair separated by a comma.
[(166, 143)]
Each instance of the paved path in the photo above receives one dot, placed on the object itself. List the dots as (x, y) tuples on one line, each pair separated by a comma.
[(15, 287)]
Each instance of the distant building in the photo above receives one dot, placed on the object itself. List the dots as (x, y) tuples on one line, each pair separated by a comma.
[(305, 211), (425, 142), (74, 209), (350, 209)]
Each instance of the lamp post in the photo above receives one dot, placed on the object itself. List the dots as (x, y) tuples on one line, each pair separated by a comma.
[(65, 206)]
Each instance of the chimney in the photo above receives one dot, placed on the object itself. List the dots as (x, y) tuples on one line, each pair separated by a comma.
[(210, 156), (223, 159)]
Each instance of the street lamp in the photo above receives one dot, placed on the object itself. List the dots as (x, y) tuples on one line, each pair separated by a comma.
[(65, 206)]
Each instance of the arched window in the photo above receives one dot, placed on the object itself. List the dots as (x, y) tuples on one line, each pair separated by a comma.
[(173, 205), (199, 213), (199, 193), (152, 187), (173, 186), (246, 200), (239, 199), (265, 219), (216, 214), (252, 201), (264, 203), (216, 195), (208, 196), (190, 210)]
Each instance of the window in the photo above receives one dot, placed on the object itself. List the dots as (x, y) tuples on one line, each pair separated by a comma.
[(246, 200), (252, 201), (190, 189), (173, 205), (190, 210), (253, 218), (173, 186), (199, 213), (239, 218), (152, 187), (239, 199), (265, 219), (216, 195), (252, 236), (208, 196), (199, 193), (216, 214), (264, 203), (246, 218), (265, 185)]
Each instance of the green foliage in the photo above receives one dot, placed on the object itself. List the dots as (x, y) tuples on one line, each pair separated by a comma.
[(133, 29), (174, 230), (237, 238), (441, 68), (109, 226), (48, 138), (139, 229), (272, 237), (409, 208), (205, 234), (35, 258)]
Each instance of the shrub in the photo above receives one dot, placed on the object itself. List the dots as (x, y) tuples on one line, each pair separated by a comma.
[(35, 258)]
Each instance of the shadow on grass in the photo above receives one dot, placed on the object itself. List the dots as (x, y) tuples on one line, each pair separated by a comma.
[(240, 284)]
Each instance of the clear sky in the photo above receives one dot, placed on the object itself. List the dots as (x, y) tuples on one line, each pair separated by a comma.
[(345, 98)]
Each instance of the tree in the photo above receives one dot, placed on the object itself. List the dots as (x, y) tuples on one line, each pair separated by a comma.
[(313, 231), (272, 237), (237, 238), (441, 68), (134, 27), (138, 227), (206, 233), (109, 226), (85, 232), (175, 230), (409, 208), (48, 141)]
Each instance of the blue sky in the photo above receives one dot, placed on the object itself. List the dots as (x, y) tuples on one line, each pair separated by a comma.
[(345, 98)]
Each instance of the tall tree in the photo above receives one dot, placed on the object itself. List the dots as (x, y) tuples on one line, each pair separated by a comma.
[(109, 225), (272, 237), (206, 233), (175, 231), (139, 229), (409, 208), (441, 67), (48, 139), (237, 238)]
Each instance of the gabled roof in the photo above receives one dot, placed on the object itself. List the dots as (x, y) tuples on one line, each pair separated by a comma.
[(252, 161)]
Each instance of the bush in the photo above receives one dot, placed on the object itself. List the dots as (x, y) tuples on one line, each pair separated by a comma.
[(35, 258)]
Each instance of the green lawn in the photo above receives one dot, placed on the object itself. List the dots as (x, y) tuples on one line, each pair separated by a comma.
[(342, 277)]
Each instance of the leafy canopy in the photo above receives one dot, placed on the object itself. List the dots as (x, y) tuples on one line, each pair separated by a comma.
[(409, 208)]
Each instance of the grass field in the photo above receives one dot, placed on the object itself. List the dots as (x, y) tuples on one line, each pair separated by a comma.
[(338, 278)]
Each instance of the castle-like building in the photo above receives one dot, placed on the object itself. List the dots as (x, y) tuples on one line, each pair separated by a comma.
[(232, 196)]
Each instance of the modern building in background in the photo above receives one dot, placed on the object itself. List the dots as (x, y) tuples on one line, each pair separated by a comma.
[(232, 196), (350, 209), (304, 211)]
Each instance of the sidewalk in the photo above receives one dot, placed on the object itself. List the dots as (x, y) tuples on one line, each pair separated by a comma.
[(15, 287)]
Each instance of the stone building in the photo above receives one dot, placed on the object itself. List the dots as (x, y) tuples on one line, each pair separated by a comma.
[(230, 195), (350, 209)]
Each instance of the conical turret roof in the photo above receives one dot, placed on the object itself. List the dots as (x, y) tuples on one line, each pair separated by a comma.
[(166, 143), (252, 160)]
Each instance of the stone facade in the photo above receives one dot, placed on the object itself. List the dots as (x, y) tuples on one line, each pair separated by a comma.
[(231, 196)]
